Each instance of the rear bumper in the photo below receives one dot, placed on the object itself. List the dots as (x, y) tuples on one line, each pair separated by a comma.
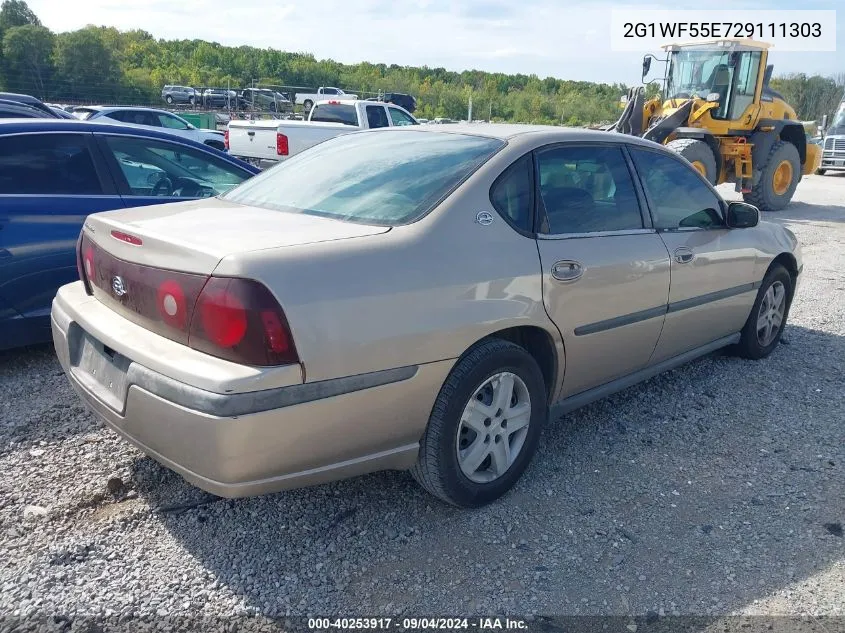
[(248, 443)]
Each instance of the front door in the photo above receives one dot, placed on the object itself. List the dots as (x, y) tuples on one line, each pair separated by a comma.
[(713, 269), (605, 270)]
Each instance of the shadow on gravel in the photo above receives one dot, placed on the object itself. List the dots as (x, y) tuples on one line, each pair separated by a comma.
[(700, 491), (806, 213), (37, 404)]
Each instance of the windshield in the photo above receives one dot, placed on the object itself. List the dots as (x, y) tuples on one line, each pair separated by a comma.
[(837, 125), (379, 177), (697, 73)]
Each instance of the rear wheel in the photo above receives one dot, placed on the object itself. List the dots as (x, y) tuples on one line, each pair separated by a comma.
[(778, 179), (699, 154), (484, 426), (168, 99), (308, 105)]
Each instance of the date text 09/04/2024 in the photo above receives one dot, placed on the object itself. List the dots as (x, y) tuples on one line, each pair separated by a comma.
[(723, 29), (418, 624)]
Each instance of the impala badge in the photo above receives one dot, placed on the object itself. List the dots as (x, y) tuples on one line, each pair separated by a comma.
[(484, 218), (118, 286)]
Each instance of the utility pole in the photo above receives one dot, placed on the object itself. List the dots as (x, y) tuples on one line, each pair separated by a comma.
[(469, 112), (490, 113)]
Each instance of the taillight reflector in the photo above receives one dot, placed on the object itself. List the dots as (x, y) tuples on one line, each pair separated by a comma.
[(226, 139), (281, 144)]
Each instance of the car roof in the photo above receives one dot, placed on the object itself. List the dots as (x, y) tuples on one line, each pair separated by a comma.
[(100, 108), (507, 131), (23, 126)]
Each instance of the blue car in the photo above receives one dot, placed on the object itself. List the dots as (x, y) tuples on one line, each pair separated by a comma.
[(54, 172)]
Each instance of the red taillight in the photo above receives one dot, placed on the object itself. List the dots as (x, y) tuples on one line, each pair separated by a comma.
[(80, 265), (281, 144), (333, 102), (231, 318), (239, 320), (226, 139)]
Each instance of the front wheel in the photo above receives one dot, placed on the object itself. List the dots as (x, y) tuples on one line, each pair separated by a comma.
[(308, 105), (778, 180), (764, 328), (484, 426), (168, 99)]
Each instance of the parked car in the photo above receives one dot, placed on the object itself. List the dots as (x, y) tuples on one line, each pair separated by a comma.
[(219, 98), (152, 118), (179, 94), (273, 141), (55, 172), (414, 298), (406, 101), (265, 99), (308, 99), (14, 105)]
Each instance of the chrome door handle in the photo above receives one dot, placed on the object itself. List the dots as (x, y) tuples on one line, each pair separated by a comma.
[(567, 270), (684, 255)]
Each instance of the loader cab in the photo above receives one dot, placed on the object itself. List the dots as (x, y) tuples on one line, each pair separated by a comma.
[(726, 73)]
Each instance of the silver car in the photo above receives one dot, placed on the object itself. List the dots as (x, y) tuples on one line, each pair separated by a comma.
[(422, 298), (179, 94)]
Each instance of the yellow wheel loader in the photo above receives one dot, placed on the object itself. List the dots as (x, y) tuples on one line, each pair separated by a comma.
[(718, 111)]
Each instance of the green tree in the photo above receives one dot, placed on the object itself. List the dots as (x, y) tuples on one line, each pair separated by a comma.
[(28, 52), (86, 66), (16, 13)]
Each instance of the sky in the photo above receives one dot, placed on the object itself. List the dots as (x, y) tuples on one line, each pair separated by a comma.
[(568, 39)]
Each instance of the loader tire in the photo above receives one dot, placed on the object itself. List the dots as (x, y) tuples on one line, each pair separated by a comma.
[(699, 154), (778, 180)]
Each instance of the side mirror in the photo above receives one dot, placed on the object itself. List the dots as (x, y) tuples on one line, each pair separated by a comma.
[(742, 215), (646, 65), (713, 97)]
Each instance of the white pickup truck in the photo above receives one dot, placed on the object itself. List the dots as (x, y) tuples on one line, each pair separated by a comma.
[(308, 99), (274, 140)]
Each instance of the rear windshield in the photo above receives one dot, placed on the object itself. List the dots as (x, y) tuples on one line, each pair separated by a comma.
[(383, 177), (334, 113)]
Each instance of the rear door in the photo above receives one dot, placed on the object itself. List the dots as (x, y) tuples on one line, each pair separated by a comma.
[(713, 283), (49, 183), (153, 171), (605, 269)]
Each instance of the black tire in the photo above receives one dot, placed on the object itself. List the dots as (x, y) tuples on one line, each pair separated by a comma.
[(191, 101), (308, 104), (763, 195), (437, 469), (821, 172), (696, 151), (749, 345), (169, 99)]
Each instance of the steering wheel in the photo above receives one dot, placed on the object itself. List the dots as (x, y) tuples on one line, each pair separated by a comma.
[(163, 187)]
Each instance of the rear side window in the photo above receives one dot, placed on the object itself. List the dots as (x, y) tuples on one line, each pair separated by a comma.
[(334, 113), (385, 178), (511, 193), (587, 189), (47, 164), (376, 117)]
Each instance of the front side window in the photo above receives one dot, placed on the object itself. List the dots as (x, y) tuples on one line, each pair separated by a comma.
[(47, 164), (376, 117), (400, 118), (678, 196), (172, 122), (157, 168), (389, 178), (587, 189)]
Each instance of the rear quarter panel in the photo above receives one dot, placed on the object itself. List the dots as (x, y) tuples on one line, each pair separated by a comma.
[(417, 294)]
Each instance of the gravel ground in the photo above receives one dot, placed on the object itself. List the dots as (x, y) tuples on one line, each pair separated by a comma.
[(714, 489)]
